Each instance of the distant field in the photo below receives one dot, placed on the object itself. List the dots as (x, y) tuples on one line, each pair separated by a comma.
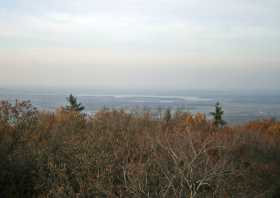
[(238, 106)]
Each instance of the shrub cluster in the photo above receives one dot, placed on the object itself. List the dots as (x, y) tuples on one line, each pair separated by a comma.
[(117, 154)]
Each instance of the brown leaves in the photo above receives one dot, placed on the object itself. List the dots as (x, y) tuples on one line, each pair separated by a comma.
[(116, 154)]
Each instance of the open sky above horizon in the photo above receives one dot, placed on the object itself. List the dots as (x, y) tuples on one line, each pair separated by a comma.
[(139, 44)]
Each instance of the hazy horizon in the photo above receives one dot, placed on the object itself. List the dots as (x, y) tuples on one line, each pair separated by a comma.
[(68, 88), (133, 44)]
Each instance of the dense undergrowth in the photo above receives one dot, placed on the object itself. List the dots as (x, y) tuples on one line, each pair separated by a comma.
[(116, 154)]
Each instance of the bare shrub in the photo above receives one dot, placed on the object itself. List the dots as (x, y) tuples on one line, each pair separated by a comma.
[(117, 154)]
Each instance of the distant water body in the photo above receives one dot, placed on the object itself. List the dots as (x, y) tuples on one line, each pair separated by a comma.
[(239, 106)]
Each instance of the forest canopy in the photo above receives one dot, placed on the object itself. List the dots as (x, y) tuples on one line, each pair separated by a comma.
[(116, 154)]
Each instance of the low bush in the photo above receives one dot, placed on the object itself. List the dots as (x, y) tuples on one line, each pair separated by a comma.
[(117, 154)]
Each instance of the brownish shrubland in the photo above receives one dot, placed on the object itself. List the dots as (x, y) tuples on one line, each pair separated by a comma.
[(116, 154)]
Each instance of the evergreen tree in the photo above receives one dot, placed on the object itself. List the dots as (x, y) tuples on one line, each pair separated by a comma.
[(73, 104), (218, 116), (167, 115)]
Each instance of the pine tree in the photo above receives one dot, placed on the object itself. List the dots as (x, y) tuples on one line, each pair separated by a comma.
[(167, 115), (73, 104), (218, 116)]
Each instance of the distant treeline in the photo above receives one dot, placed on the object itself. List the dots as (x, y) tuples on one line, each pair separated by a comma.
[(116, 154)]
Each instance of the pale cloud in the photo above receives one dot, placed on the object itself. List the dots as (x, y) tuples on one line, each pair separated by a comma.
[(136, 39)]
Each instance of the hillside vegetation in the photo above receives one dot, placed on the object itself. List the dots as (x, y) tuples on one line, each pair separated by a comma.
[(117, 154)]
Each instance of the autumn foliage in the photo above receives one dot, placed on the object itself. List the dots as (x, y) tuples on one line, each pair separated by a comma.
[(117, 154)]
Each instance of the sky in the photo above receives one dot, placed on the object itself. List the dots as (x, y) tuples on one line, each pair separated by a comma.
[(141, 44)]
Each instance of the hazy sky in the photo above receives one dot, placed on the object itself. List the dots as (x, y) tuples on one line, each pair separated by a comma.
[(167, 44)]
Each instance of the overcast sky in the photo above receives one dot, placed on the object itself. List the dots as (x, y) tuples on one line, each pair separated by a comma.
[(140, 44)]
